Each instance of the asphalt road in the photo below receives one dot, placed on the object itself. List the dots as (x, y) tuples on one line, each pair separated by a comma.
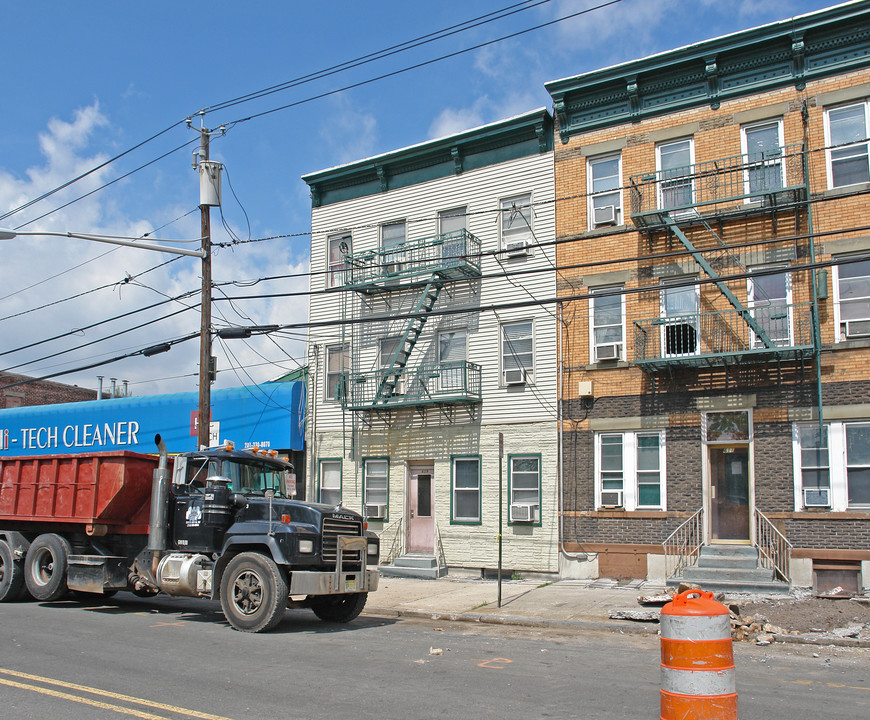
[(177, 659)]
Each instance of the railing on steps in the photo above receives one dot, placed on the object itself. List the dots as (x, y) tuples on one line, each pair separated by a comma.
[(397, 544), (683, 545), (774, 550), (442, 558)]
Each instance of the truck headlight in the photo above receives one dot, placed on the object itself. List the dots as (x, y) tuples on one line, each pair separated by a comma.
[(372, 549), (306, 546)]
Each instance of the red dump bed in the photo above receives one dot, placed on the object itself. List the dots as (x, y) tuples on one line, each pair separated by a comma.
[(112, 489)]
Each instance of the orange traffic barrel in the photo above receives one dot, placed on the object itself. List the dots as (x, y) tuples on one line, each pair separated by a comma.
[(698, 676)]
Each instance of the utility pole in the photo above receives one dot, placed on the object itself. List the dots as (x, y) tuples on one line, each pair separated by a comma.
[(209, 194)]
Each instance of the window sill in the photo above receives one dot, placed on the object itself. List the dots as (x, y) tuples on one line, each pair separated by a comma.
[(604, 230), (608, 365), (623, 513), (848, 345), (846, 189)]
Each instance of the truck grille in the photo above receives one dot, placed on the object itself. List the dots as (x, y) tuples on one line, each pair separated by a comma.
[(332, 528)]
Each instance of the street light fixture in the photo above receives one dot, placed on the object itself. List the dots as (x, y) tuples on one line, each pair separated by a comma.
[(6, 234)]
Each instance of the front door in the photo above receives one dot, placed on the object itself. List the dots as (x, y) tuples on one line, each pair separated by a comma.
[(729, 493), (421, 519)]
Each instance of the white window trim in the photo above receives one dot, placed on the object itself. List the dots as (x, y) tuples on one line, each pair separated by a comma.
[(828, 142), (530, 373), (745, 151), (753, 302), (839, 485), (630, 489), (670, 283), (334, 272), (323, 464), (623, 319), (530, 230), (590, 213), (839, 335), (659, 189)]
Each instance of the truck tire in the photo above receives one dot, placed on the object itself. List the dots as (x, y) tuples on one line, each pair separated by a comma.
[(338, 608), (11, 574), (45, 567), (254, 593)]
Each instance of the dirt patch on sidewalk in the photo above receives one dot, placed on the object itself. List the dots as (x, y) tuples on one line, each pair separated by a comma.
[(806, 615)]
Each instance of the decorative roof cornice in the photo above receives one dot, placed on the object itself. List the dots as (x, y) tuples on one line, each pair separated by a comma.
[(520, 136), (788, 52)]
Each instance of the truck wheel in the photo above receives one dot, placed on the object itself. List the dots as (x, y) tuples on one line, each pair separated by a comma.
[(45, 567), (11, 575), (254, 593), (338, 608)]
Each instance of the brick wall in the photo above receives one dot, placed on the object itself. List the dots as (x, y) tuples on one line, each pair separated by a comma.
[(39, 392)]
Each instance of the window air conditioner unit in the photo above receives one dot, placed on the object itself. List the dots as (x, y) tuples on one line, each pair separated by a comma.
[(857, 328), (376, 512), (817, 497), (515, 377), (523, 512), (516, 249), (604, 215), (607, 352), (611, 498)]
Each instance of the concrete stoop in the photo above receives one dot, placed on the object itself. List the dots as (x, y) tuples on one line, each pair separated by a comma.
[(411, 565), (730, 568)]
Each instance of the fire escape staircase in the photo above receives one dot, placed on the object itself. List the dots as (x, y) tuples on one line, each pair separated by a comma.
[(744, 312), (393, 371)]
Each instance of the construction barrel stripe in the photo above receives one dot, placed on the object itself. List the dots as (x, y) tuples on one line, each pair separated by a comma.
[(698, 677)]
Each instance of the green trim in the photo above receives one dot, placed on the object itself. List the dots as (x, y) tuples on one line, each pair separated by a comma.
[(518, 137), (365, 461), (320, 462), (789, 52), (453, 459), (511, 457)]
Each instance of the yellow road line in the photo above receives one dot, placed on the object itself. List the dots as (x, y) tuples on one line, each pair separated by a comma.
[(103, 693), (828, 684)]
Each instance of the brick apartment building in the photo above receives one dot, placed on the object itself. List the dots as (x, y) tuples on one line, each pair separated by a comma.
[(38, 392), (713, 248)]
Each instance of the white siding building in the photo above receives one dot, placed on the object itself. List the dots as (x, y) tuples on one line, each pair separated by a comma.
[(433, 383)]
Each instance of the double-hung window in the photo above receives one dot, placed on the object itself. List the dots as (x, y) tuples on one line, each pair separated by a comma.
[(852, 298), (330, 482), (451, 228), (516, 223), (832, 470), (630, 470), (376, 475), (677, 186), (517, 352), (762, 158), (465, 504), (337, 364), (770, 300), (339, 249), (607, 324), (524, 479), (391, 372), (604, 181), (847, 153), (393, 247)]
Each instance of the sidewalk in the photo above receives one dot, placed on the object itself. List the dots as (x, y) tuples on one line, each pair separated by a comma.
[(577, 603)]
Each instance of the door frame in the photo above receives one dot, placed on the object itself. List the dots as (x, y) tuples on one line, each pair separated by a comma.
[(418, 467), (707, 478)]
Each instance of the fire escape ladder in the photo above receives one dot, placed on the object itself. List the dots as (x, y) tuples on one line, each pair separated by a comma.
[(393, 371), (743, 311)]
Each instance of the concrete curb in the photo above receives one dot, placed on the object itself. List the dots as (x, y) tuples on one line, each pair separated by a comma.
[(628, 628)]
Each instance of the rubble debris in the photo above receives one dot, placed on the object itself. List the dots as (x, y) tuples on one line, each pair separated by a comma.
[(661, 599), (637, 615)]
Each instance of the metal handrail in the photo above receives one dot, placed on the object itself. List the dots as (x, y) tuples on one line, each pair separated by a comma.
[(397, 546), (684, 544), (774, 549)]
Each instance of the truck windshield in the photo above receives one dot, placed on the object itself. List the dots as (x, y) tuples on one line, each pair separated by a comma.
[(253, 478)]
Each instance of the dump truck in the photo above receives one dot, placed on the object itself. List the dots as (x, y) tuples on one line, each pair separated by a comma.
[(220, 523)]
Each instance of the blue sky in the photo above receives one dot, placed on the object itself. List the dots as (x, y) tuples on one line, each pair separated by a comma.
[(83, 82)]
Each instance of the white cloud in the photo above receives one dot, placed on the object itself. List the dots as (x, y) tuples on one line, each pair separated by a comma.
[(347, 132)]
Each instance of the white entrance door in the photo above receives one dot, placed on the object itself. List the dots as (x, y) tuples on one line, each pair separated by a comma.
[(421, 518)]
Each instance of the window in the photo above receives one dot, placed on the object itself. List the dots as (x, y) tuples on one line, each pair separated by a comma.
[(674, 163), (604, 180), (517, 352), (451, 227), (607, 324), (524, 479), (762, 151), (847, 145), (387, 348), (337, 363), (330, 482), (451, 360), (852, 298), (376, 488), (832, 471), (339, 249), (770, 301), (516, 222), (630, 470), (392, 245), (466, 490), (680, 311)]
